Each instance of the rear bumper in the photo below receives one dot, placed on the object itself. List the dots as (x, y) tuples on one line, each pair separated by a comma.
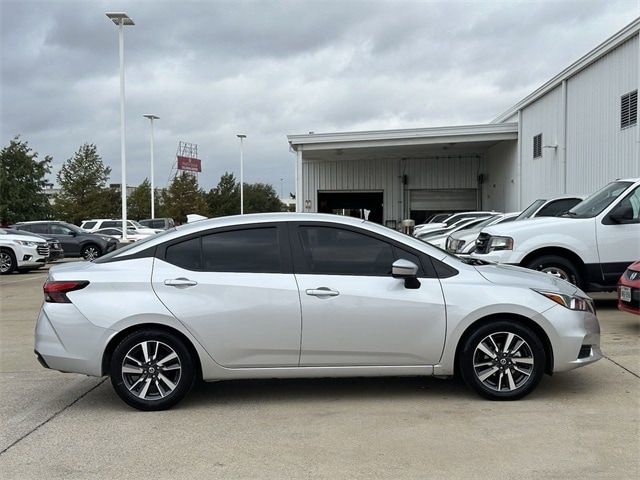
[(66, 341)]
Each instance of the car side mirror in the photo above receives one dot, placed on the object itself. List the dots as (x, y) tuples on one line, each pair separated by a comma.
[(621, 214), (407, 270)]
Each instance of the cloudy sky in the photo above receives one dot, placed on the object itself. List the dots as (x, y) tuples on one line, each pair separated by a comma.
[(211, 69)]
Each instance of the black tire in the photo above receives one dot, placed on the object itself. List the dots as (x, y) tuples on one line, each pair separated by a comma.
[(90, 251), (558, 266), (498, 385), (7, 261), (130, 386)]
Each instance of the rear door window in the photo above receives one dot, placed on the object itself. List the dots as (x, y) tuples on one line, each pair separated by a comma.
[(186, 254), (255, 250), (89, 225)]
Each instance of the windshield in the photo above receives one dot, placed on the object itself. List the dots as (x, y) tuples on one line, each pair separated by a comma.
[(595, 203), (118, 251), (531, 209), (136, 223)]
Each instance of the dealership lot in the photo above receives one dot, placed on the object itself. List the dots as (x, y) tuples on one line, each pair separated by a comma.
[(582, 423)]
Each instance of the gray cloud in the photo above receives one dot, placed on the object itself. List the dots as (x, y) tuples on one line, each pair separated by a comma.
[(213, 69)]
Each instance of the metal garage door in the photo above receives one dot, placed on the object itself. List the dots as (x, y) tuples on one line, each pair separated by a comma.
[(444, 200)]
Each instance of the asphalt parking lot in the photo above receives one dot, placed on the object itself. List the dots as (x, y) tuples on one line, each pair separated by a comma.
[(580, 424)]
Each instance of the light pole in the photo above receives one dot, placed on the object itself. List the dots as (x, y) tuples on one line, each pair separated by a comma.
[(121, 19), (281, 188), (241, 137), (151, 118)]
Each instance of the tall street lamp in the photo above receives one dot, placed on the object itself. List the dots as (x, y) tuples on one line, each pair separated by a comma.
[(151, 118), (241, 137), (121, 19)]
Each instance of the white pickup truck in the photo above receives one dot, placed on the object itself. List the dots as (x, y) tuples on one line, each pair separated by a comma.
[(591, 245)]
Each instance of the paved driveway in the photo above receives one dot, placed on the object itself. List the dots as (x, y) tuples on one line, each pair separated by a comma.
[(581, 424)]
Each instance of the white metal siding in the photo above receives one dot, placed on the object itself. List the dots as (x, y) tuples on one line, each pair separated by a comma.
[(598, 151), (540, 176), (500, 190), (456, 172)]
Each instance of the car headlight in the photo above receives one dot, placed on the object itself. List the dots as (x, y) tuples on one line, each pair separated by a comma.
[(500, 243), (459, 245), (27, 243), (572, 302)]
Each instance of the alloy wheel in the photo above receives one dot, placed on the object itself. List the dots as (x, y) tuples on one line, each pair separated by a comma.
[(6, 262), (91, 253), (151, 370), (557, 272), (503, 362)]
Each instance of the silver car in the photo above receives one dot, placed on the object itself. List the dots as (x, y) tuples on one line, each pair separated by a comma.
[(306, 295)]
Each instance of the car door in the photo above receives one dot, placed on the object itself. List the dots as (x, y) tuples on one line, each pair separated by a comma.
[(354, 312), (619, 241), (66, 237), (235, 291)]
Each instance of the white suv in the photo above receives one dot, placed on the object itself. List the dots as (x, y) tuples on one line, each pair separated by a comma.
[(97, 224), (21, 252), (591, 245)]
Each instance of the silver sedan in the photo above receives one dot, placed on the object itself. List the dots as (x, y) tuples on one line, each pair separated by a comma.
[(306, 295)]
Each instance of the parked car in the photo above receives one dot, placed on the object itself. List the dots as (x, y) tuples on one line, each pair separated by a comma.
[(629, 289), (463, 242), (456, 217), (551, 207), (438, 217), (21, 252), (55, 249), (226, 298), (158, 223), (97, 224), (439, 237), (75, 241), (590, 246), (132, 235)]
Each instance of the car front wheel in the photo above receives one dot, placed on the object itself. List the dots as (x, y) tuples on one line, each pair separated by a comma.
[(7, 262), (502, 360), (151, 370), (90, 252)]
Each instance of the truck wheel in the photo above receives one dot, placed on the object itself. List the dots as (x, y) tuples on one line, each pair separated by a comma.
[(7, 262), (558, 267)]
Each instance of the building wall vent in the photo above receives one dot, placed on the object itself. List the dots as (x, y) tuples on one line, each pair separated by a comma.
[(629, 109), (537, 146)]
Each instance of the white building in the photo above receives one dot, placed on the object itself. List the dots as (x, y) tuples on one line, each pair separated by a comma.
[(572, 135)]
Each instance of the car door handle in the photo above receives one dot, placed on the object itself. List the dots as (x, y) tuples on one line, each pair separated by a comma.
[(180, 282), (322, 292)]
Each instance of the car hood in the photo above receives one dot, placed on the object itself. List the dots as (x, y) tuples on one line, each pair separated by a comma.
[(510, 229), (470, 234), (510, 275)]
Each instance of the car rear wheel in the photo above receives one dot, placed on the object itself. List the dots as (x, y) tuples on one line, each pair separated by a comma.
[(7, 262), (90, 252), (558, 267), (502, 360), (151, 370)]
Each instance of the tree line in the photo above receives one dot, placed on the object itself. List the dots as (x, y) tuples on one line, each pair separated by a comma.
[(85, 191)]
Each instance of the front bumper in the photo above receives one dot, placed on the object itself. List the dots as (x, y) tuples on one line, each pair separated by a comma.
[(66, 341), (574, 336), (31, 257)]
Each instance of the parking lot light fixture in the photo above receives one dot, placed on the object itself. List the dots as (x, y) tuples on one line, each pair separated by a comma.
[(121, 19), (241, 137), (151, 118)]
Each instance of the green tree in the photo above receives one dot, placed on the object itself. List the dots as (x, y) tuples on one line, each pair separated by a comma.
[(139, 202), (261, 197), (182, 197), (224, 199), (83, 187), (21, 182)]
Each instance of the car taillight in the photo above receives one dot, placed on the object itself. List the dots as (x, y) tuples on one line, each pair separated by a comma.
[(56, 291)]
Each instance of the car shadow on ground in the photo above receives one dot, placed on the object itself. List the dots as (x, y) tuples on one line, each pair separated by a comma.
[(336, 390)]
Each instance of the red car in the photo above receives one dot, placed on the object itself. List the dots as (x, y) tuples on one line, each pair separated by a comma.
[(629, 289)]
